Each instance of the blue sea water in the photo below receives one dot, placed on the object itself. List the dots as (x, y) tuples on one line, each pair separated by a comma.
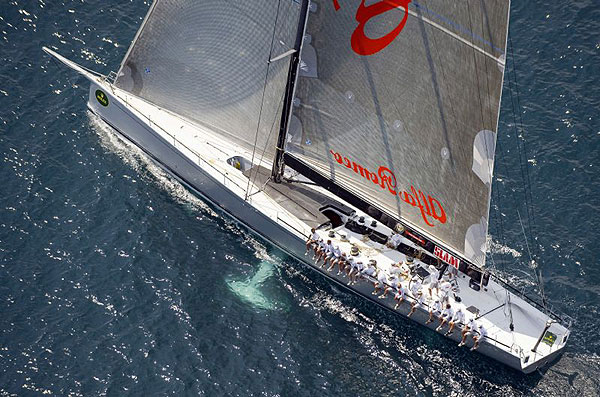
[(116, 280)]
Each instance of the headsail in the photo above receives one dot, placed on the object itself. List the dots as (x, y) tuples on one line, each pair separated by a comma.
[(398, 102), (209, 61)]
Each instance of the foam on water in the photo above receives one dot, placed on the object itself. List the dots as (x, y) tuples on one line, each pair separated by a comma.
[(138, 161)]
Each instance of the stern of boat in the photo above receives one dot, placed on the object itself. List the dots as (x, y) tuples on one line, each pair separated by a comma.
[(549, 348)]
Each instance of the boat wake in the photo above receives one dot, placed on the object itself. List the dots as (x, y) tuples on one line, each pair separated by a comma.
[(139, 162)]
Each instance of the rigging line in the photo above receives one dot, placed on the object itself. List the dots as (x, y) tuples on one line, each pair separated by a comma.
[(267, 141), (535, 269), (524, 140), (507, 173), (262, 101), (521, 166)]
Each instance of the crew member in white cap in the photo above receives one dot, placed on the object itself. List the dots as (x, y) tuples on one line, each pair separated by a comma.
[(332, 257), (369, 270), (434, 275), (434, 310), (393, 283), (477, 338), (445, 288), (469, 327), (381, 281), (323, 252), (394, 241), (415, 288)]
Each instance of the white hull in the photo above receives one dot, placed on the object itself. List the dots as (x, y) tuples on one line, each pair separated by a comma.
[(197, 158), (197, 175)]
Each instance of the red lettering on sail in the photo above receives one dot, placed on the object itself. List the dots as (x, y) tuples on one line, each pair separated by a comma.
[(361, 43), (431, 209), (446, 257), (364, 45)]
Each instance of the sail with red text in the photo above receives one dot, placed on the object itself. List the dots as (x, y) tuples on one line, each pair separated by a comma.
[(397, 101)]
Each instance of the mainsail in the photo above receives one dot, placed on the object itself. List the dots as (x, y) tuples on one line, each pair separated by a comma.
[(209, 61), (398, 102)]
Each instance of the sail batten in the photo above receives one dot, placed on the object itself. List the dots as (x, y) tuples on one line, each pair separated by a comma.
[(400, 106)]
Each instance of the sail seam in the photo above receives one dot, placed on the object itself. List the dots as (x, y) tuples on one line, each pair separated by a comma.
[(455, 36)]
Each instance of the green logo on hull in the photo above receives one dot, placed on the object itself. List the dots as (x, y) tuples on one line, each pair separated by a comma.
[(102, 98), (549, 338)]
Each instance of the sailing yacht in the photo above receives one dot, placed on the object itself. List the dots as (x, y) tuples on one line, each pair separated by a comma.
[(374, 124)]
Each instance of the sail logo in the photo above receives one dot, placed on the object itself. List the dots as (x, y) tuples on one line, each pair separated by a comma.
[(430, 208), (102, 98), (446, 257), (361, 43)]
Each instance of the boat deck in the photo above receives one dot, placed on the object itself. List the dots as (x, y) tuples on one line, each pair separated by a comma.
[(296, 197), (297, 208), (488, 305)]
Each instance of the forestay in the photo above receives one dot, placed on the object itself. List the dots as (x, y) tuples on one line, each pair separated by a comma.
[(208, 61), (398, 101)]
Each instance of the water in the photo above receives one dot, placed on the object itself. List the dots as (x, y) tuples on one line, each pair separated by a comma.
[(115, 280)]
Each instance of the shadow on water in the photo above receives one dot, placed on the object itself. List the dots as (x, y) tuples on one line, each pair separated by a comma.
[(251, 291)]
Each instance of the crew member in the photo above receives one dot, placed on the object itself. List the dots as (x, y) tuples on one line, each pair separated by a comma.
[(399, 296), (469, 327), (434, 310), (446, 316), (459, 317), (312, 240), (477, 338), (418, 302), (434, 283), (394, 241)]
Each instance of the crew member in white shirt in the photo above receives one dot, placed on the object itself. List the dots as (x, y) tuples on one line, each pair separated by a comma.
[(399, 296), (332, 257), (469, 327), (459, 317), (415, 288), (434, 275), (446, 316), (313, 239), (445, 288), (418, 302), (394, 241), (322, 253), (355, 267), (381, 282), (369, 270), (393, 283), (320, 245), (434, 310), (477, 338)]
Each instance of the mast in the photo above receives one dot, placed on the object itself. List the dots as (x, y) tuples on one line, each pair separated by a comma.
[(278, 162)]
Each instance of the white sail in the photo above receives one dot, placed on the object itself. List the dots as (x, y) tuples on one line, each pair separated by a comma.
[(209, 61), (398, 102)]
